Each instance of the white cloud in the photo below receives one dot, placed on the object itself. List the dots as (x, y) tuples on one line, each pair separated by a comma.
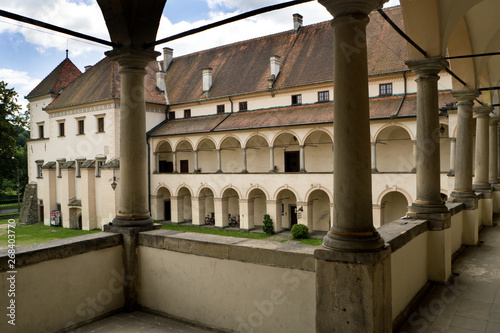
[(391, 3), (20, 81), (82, 17)]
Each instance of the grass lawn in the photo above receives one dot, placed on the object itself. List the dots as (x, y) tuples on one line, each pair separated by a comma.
[(240, 234), (38, 233), (8, 206)]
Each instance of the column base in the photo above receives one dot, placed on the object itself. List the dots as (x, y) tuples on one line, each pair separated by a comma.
[(374, 170), (481, 187), (365, 241), (437, 220), (468, 198), (341, 304), (218, 171), (133, 220), (451, 173), (244, 171)]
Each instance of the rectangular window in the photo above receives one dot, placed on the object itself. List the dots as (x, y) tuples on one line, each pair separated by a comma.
[(385, 89), (296, 99), (61, 129), (40, 131), (323, 96), (39, 170), (221, 108), (81, 126), (184, 166), (187, 113), (171, 115), (243, 106), (100, 125)]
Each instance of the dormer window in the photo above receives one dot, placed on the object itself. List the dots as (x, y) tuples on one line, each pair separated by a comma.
[(385, 89), (243, 106), (220, 108), (323, 96), (187, 113), (171, 115)]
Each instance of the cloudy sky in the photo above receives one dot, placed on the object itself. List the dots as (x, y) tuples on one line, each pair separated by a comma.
[(28, 53)]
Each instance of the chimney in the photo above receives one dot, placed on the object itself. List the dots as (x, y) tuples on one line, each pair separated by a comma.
[(275, 65), (88, 67), (207, 80), (297, 22), (168, 55), (160, 81)]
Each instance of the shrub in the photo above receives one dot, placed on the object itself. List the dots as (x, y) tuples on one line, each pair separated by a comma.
[(300, 231), (268, 225)]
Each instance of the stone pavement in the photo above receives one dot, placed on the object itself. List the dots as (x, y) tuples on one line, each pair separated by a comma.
[(471, 302), (138, 321)]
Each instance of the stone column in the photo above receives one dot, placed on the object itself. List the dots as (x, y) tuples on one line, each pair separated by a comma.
[(414, 142), (498, 150), (453, 144), (219, 163), (493, 176), (374, 157), (196, 169), (174, 161), (273, 208), (302, 159), (244, 153), (271, 159), (482, 150), (428, 153), (133, 207), (353, 252), (463, 166)]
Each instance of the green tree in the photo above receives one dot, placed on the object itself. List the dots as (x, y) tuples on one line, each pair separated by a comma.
[(13, 136)]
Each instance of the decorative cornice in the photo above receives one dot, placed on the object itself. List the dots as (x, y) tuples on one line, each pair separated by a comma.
[(98, 108)]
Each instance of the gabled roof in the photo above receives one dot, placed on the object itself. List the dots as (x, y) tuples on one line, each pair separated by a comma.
[(102, 81), (65, 73), (306, 58), (308, 114)]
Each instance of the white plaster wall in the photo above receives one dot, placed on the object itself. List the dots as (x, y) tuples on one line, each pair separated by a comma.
[(408, 276), (227, 294), (55, 294)]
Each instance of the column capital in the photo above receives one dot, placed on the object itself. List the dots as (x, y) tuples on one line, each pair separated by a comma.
[(427, 67), (129, 57), (345, 7), (482, 111), (465, 96)]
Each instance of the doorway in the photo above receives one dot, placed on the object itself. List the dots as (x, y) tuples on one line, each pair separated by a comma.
[(167, 212), (293, 215), (292, 161)]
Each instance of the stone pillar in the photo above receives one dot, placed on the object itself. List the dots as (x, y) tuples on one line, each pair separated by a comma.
[(453, 145), (273, 208), (133, 207), (428, 153), (246, 213), (174, 161), (220, 210), (198, 210), (177, 209), (219, 162), (414, 142), (353, 252), (302, 159), (482, 150), (271, 159), (374, 157), (244, 155), (49, 193), (493, 176), (196, 169)]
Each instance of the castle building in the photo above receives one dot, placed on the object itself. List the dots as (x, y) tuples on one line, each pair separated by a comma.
[(256, 116)]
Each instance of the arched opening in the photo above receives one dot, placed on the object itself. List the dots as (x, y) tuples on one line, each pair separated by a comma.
[(318, 152), (231, 156), (394, 206), (185, 157), (287, 153), (184, 212), (394, 150), (75, 218), (164, 158), (257, 208), (288, 202), (163, 205), (257, 154), (230, 208), (207, 156), (319, 210), (206, 206)]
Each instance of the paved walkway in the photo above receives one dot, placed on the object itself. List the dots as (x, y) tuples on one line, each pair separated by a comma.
[(471, 303), (138, 322)]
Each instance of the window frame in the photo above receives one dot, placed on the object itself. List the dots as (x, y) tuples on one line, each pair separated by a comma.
[(99, 128), (243, 106), (221, 108), (323, 96), (80, 123), (61, 128), (40, 131), (297, 99), (383, 89), (187, 113), (171, 115)]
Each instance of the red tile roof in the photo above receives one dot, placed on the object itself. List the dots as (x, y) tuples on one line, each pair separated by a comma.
[(102, 82), (318, 113), (306, 57), (65, 73)]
